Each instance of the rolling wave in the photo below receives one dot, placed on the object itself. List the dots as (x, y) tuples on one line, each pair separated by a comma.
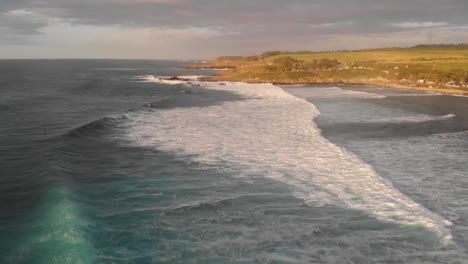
[(412, 119), (397, 127), (336, 92), (105, 123), (55, 229)]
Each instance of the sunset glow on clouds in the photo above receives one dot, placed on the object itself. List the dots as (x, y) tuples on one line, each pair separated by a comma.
[(205, 28)]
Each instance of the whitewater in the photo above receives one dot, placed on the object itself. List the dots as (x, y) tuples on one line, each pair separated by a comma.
[(272, 133)]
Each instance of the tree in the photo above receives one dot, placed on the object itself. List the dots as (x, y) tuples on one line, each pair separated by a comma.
[(327, 63), (270, 54), (287, 63), (271, 68)]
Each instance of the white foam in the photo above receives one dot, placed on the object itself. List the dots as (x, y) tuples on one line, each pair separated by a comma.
[(414, 94), (165, 80), (457, 95), (272, 134), (191, 77), (411, 119), (425, 93), (336, 92)]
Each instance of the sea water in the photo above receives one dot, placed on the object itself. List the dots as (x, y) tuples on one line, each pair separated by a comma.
[(106, 162)]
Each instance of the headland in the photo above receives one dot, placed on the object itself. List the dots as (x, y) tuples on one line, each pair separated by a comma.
[(431, 68)]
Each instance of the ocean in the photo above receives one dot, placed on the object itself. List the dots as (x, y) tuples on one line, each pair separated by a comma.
[(104, 161)]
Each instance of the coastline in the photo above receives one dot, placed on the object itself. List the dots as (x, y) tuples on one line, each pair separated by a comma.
[(433, 69), (387, 84)]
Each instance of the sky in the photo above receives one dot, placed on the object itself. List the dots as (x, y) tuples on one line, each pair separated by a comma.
[(198, 29)]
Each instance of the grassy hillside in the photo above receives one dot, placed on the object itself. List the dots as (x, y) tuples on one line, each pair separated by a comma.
[(434, 67)]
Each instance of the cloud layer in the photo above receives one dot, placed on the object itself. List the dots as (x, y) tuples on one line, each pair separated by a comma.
[(202, 28)]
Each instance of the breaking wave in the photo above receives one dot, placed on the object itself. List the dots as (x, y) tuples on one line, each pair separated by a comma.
[(166, 80), (413, 119), (336, 92)]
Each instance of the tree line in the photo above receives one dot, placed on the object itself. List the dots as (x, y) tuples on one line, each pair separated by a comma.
[(288, 63)]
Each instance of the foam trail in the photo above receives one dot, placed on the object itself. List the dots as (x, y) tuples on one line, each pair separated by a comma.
[(272, 134), (336, 92), (412, 119)]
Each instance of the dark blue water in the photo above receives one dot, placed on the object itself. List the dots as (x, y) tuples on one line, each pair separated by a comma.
[(61, 182), (73, 189)]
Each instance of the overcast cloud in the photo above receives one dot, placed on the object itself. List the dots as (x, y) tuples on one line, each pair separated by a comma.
[(184, 29)]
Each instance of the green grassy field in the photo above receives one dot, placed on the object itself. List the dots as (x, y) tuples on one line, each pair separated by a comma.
[(410, 56), (437, 65)]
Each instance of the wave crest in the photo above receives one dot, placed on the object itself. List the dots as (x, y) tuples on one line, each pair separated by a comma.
[(167, 80)]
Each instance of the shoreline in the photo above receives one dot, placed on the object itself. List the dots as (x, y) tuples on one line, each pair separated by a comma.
[(433, 69), (447, 91)]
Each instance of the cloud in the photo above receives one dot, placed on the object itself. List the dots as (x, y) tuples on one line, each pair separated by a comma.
[(420, 24), (215, 27), (186, 32), (227, 13), (22, 21)]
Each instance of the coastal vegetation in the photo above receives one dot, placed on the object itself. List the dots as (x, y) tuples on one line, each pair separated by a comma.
[(441, 68)]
